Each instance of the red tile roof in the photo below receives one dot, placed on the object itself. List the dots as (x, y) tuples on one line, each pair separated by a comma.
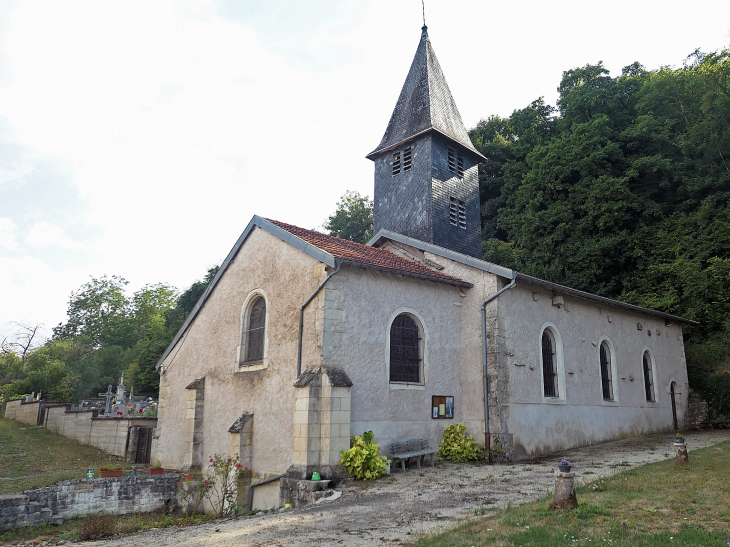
[(367, 256)]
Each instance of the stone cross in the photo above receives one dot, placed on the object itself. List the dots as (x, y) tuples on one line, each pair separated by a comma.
[(108, 395)]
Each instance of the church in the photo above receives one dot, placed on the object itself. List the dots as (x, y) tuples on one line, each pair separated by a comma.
[(303, 339)]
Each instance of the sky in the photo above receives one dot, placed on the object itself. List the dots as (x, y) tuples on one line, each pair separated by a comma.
[(138, 138)]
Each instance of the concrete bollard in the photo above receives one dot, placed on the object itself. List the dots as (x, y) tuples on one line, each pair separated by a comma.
[(564, 498), (682, 456)]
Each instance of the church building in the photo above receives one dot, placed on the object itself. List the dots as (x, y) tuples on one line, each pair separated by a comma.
[(303, 339)]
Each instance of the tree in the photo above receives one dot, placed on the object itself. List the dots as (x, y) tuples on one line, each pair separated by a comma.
[(353, 218), (99, 311)]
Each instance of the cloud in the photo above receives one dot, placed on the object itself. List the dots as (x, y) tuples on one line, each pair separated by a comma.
[(45, 234), (7, 234)]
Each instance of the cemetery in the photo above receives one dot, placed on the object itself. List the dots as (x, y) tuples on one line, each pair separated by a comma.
[(117, 428)]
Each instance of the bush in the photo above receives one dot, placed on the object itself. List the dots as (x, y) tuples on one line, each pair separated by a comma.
[(97, 527), (457, 446), (362, 460)]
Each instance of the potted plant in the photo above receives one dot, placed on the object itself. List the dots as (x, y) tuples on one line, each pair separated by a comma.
[(110, 471), (156, 468), (564, 465), (679, 438)]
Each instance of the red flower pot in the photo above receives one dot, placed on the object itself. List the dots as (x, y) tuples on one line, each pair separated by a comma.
[(111, 473), (156, 470)]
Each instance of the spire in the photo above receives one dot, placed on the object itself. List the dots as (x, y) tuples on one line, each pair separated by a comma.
[(425, 104)]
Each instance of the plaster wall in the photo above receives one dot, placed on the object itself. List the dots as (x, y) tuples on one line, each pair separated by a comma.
[(362, 304), (580, 416), (468, 302), (210, 349)]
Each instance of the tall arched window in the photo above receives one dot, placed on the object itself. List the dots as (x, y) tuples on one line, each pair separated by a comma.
[(549, 364), (405, 350), (255, 331), (648, 377), (606, 372)]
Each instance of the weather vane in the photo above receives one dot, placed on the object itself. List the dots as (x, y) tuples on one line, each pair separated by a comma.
[(423, 6)]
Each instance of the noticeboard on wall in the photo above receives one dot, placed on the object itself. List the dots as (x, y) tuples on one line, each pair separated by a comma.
[(442, 407)]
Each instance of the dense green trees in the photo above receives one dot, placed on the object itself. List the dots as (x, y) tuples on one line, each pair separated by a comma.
[(107, 333), (624, 191)]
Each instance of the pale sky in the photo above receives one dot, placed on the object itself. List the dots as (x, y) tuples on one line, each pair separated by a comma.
[(138, 138)]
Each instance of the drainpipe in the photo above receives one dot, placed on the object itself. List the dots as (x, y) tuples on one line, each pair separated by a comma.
[(301, 315), (487, 443)]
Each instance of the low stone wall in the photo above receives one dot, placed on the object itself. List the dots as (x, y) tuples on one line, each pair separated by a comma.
[(81, 497), (21, 411)]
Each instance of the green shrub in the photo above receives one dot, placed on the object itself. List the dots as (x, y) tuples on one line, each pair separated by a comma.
[(457, 446), (362, 460)]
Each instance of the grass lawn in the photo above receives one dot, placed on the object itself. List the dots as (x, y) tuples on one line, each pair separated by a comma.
[(31, 457), (656, 504)]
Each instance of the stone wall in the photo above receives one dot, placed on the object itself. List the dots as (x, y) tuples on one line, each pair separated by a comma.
[(81, 497), (108, 434), (697, 414), (21, 411), (72, 424)]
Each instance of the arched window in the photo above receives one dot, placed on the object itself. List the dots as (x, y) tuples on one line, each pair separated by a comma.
[(254, 332), (405, 350), (606, 372), (648, 378), (549, 364)]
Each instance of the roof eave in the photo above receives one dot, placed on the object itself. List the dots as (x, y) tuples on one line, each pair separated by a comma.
[(603, 299), (381, 150)]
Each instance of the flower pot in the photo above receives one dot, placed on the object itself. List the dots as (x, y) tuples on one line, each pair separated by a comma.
[(679, 441), (564, 468), (111, 473), (156, 470)]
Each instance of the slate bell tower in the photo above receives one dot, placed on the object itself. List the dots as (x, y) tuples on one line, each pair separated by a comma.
[(426, 181)]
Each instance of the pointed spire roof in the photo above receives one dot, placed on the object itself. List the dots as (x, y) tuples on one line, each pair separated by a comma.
[(425, 104)]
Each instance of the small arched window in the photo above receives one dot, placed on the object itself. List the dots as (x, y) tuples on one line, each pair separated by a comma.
[(549, 364), (405, 350), (606, 372), (255, 331), (648, 377)]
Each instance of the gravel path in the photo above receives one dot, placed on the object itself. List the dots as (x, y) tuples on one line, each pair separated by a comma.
[(398, 508)]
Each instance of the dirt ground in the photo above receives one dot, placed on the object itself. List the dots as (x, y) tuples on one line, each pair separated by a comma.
[(402, 506)]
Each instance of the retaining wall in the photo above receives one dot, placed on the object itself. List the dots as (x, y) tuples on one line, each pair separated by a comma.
[(21, 411), (81, 497), (108, 434)]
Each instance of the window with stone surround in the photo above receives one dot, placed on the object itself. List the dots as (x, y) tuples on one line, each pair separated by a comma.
[(549, 365), (253, 343), (604, 356), (552, 366), (405, 350), (648, 377)]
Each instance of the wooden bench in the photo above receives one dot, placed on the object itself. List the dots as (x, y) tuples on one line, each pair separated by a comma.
[(410, 448)]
